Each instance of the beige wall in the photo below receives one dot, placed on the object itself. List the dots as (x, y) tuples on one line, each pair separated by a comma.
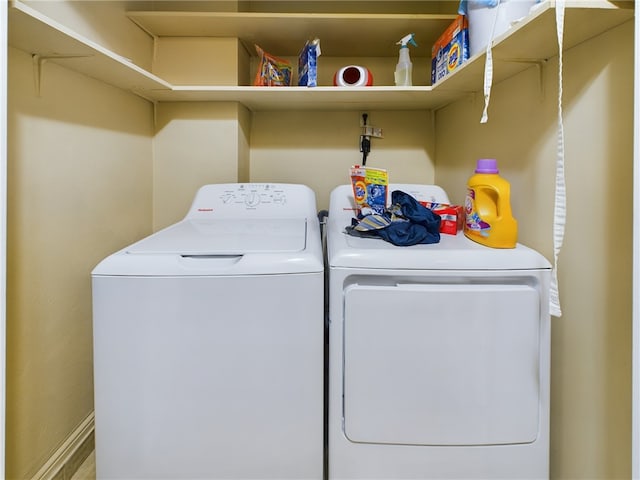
[(201, 61), (195, 143), (79, 187), (318, 148), (203, 142), (591, 342)]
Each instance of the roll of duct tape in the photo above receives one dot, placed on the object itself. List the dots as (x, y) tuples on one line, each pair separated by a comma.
[(353, 76)]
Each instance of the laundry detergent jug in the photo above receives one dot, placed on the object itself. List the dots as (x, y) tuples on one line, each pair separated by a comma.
[(488, 208)]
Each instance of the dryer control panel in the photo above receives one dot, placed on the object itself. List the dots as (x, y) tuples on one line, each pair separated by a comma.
[(247, 200)]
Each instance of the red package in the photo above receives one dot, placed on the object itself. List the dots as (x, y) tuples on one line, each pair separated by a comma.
[(451, 216)]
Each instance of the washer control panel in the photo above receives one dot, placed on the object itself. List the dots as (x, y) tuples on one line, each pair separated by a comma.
[(241, 199), (254, 195)]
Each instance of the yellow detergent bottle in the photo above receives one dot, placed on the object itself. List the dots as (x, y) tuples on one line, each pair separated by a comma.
[(488, 208)]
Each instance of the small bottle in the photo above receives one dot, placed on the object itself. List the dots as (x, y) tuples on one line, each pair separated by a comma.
[(488, 208), (404, 68)]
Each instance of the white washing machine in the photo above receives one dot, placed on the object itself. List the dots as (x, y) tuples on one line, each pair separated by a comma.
[(438, 356), (208, 342)]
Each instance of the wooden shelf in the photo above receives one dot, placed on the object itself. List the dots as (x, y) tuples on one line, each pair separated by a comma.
[(529, 42), (534, 40), (317, 98), (37, 34), (284, 34)]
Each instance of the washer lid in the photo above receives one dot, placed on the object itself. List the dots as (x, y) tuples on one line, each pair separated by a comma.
[(226, 237)]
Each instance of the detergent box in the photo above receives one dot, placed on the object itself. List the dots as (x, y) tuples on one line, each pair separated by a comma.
[(308, 64), (451, 216), (450, 50), (370, 189)]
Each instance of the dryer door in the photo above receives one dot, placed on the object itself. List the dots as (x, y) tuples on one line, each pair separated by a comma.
[(441, 364)]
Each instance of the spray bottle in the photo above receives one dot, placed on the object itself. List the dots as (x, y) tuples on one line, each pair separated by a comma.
[(404, 68)]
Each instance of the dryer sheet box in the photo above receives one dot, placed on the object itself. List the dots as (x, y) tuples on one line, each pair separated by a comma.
[(451, 216)]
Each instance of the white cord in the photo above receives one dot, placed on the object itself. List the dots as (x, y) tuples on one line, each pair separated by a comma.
[(488, 68), (560, 207)]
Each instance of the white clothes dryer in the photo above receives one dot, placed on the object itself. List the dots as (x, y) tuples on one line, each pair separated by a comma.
[(208, 342), (438, 355)]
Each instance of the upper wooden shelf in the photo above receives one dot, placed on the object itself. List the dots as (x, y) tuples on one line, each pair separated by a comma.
[(531, 41), (284, 34), (534, 40)]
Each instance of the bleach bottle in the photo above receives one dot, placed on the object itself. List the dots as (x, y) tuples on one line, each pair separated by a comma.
[(488, 208), (404, 68)]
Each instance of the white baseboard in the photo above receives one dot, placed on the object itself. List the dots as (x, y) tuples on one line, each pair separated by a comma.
[(65, 454)]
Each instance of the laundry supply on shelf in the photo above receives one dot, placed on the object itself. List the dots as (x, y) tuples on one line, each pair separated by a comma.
[(272, 71), (450, 50), (353, 76), (488, 19), (404, 69), (308, 63)]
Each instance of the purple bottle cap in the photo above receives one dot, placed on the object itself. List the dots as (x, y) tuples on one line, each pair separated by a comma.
[(487, 165)]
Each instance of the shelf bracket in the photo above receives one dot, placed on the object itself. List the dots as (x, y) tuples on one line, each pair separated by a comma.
[(539, 64), (39, 60)]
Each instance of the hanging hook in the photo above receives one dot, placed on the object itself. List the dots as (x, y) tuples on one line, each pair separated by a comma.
[(365, 141)]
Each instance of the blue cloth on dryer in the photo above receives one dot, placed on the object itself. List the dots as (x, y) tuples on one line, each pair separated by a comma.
[(406, 222)]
